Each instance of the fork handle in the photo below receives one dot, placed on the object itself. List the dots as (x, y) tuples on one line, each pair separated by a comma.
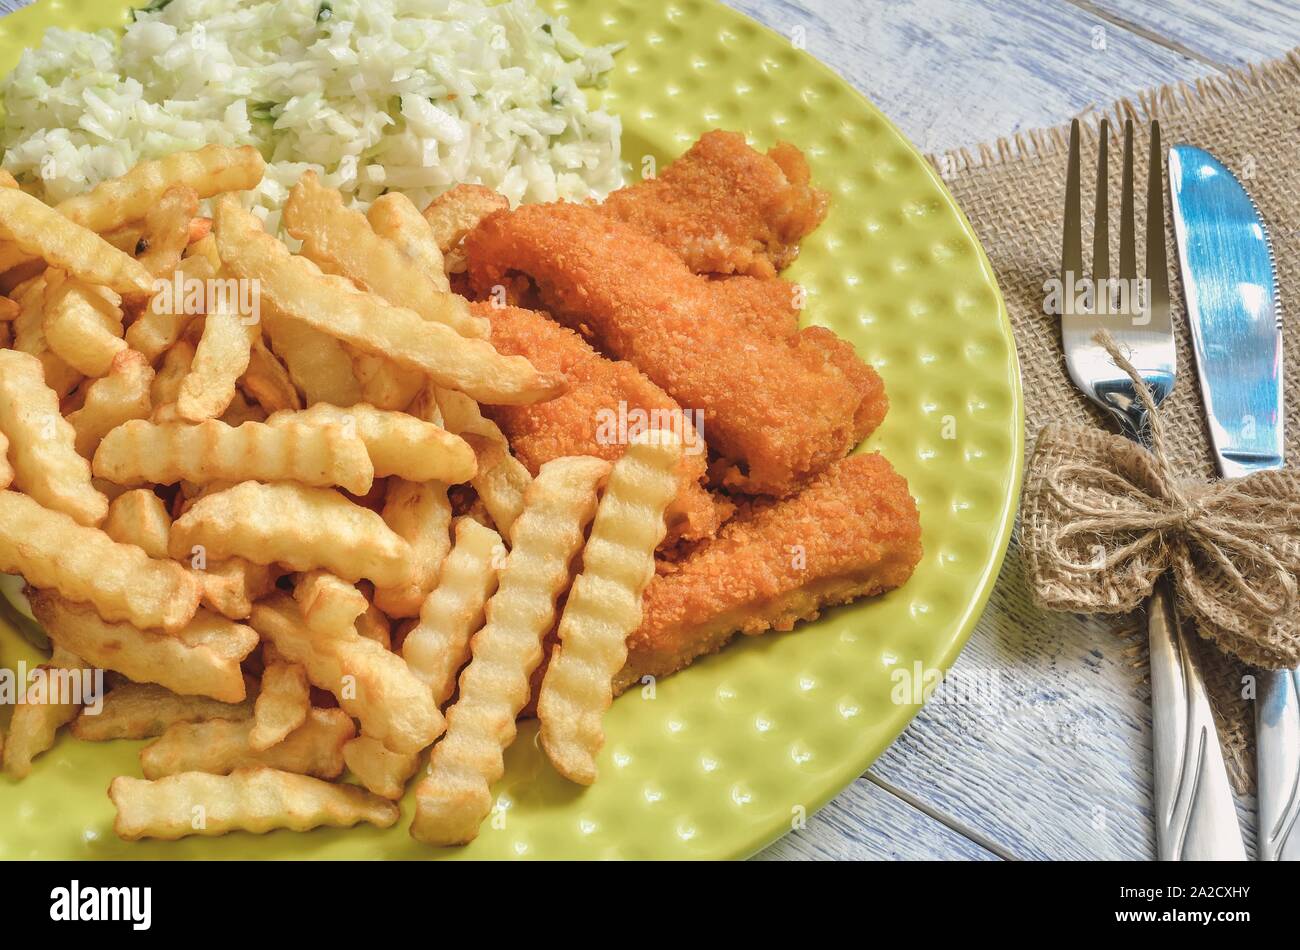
[(1196, 818)]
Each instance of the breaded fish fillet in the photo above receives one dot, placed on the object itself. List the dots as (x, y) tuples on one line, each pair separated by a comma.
[(606, 402), (725, 208), (779, 406), (852, 532)]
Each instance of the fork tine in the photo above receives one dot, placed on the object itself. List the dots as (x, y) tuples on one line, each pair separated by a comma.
[(1101, 226), (1127, 242), (1071, 239), (1157, 260)]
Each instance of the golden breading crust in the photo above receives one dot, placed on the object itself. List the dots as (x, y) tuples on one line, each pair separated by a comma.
[(778, 407), (581, 421), (853, 532), (725, 208)]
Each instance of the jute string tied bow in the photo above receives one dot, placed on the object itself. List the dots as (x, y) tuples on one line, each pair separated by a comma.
[(1103, 518)]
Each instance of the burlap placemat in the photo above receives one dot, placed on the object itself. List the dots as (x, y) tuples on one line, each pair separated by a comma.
[(1013, 191)]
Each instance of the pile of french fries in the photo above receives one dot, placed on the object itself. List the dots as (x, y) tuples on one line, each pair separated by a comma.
[(244, 513)]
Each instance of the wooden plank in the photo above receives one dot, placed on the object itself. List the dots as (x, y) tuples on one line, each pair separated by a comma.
[(1057, 766), (868, 823), (964, 71), (1223, 32), (1055, 761)]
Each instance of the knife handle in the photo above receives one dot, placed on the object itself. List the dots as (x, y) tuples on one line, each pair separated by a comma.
[(1196, 818), (1277, 735)]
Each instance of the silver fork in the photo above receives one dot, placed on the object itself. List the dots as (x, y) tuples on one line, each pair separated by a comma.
[(1194, 811)]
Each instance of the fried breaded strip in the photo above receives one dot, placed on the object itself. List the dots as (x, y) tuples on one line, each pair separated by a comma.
[(584, 419), (854, 531), (781, 408), (725, 208)]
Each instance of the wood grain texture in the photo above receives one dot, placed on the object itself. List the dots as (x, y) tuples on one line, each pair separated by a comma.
[(868, 822), (1225, 34), (1056, 763), (1058, 766), (958, 72)]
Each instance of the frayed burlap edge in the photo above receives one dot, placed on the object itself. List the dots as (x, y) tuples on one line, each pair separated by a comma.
[(1187, 100)]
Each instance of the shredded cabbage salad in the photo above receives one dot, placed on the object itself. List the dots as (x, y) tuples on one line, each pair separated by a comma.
[(376, 95)]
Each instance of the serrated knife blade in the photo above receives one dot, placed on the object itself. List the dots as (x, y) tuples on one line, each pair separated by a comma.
[(1230, 284)]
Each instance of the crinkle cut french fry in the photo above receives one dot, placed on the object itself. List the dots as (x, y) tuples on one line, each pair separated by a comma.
[(395, 217), (40, 231), (36, 721), (455, 797), (166, 231), (220, 746), (369, 682), (438, 646), (222, 356), (230, 586), (604, 604), (420, 513), (267, 381), (83, 325), (140, 452), (283, 702), (6, 470), (241, 410), (337, 237), (341, 242), (254, 799), (455, 213), (201, 658), (374, 625), (211, 170), (205, 247), (159, 326), (329, 605), (501, 479), (139, 517), (380, 769), (334, 306), (399, 444), (144, 710), (126, 238), (384, 384), (120, 396), (199, 229), (43, 444), (29, 338), (319, 365), (302, 528)]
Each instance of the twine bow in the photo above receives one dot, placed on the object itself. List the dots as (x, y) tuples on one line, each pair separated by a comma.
[(1103, 518)]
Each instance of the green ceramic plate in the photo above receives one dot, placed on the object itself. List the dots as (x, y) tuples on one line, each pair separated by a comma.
[(738, 749)]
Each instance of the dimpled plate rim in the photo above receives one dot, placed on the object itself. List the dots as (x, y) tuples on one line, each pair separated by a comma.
[(743, 746)]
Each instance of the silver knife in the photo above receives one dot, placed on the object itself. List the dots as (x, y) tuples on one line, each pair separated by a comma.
[(1230, 284)]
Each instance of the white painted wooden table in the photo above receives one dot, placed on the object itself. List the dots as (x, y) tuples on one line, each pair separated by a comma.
[(1059, 768)]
